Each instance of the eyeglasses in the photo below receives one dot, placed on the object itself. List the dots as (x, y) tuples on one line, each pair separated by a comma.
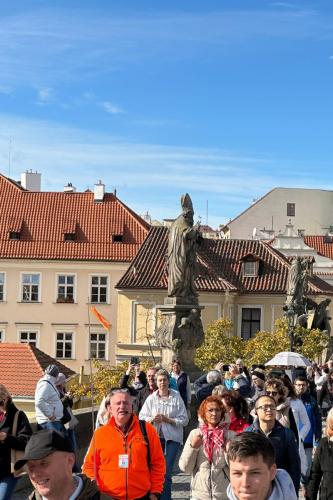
[(214, 410), (266, 408), (272, 393)]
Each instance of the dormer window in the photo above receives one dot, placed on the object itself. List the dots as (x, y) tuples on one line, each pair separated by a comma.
[(69, 236), (117, 238), (14, 235), (250, 268), (250, 263)]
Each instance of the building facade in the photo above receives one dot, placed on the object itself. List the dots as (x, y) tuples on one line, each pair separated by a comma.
[(244, 280), (61, 253)]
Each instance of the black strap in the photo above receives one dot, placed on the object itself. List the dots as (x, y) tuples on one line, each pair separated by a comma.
[(145, 436)]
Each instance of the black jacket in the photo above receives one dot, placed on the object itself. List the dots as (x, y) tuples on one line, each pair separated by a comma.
[(321, 471), (19, 442), (203, 389), (286, 449)]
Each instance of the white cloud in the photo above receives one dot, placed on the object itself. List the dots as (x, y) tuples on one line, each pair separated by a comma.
[(111, 108), (45, 95)]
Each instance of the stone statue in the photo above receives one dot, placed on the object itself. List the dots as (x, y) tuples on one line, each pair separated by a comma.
[(183, 241), (297, 285)]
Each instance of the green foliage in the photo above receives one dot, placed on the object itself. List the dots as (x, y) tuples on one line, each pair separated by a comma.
[(220, 345)]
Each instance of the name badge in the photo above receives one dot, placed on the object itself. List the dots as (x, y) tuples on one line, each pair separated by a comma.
[(123, 461)]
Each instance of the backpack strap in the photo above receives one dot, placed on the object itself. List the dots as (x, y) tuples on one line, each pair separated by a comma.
[(14, 429), (145, 436)]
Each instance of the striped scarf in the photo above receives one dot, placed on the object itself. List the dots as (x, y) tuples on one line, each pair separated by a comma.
[(213, 437)]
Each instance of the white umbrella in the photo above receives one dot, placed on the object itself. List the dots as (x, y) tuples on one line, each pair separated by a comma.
[(288, 359)]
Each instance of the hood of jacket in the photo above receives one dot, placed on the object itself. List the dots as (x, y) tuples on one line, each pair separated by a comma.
[(283, 488)]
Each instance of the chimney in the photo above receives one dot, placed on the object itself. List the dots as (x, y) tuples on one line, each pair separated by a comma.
[(31, 180), (69, 188), (99, 191)]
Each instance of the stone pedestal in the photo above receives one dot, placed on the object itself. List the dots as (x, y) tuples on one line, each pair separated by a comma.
[(180, 333)]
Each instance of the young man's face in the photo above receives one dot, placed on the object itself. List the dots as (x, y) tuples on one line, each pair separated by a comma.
[(251, 478), (300, 387), (266, 410), (50, 475)]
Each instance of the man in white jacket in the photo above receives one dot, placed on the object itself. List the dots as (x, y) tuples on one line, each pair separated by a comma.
[(253, 472), (48, 406)]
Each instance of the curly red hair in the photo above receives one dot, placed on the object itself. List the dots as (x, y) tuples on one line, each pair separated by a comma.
[(203, 407)]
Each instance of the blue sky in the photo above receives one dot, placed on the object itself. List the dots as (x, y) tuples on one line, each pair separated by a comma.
[(223, 99)]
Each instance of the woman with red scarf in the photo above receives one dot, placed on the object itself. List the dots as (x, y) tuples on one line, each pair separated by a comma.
[(237, 409), (204, 452)]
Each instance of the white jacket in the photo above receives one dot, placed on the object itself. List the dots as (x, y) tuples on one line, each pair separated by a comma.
[(172, 407), (47, 400)]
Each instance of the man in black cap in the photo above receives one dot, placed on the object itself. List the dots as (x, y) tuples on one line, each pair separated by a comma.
[(49, 459), (48, 406)]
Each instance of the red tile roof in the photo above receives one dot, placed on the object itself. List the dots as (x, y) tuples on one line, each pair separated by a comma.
[(43, 217), (319, 244), (22, 365), (219, 266)]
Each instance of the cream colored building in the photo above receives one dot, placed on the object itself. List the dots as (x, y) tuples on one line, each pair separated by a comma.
[(310, 211), (243, 280), (61, 253)]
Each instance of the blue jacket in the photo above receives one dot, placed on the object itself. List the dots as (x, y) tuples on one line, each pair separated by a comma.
[(314, 415), (286, 449)]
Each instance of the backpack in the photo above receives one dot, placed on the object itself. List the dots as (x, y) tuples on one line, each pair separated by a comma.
[(145, 437)]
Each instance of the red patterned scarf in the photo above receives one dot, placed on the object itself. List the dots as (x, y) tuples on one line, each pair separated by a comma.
[(213, 437)]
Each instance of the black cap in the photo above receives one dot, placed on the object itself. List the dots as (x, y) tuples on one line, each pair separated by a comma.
[(42, 444)]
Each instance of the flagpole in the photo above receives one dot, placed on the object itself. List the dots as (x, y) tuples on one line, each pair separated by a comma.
[(92, 395)]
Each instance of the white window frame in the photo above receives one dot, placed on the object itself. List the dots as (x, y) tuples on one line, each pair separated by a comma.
[(99, 275), (39, 287), (28, 330), (65, 331), (249, 306), (254, 271), (74, 287), (98, 331), (4, 291), (133, 332)]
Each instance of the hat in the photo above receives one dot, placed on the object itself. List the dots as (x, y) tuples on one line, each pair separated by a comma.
[(61, 379), (259, 374), (52, 370), (42, 444)]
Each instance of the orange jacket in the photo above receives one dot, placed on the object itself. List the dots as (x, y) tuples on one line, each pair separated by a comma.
[(108, 443)]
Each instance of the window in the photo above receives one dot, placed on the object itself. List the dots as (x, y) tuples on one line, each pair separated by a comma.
[(28, 337), (30, 287), (117, 238), (64, 347), (69, 236), (2, 287), (250, 322), (290, 209), (14, 235), (97, 345), (99, 289), (66, 283), (2, 336), (250, 268)]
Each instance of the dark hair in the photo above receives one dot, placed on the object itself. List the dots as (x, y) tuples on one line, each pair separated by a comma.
[(143, 378), (277, 384), (264, 396), (291, 390), (301, 379), (251, 444), (237, 402)]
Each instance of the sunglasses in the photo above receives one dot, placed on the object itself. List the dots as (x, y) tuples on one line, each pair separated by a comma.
[(272, 393), (117, 390)]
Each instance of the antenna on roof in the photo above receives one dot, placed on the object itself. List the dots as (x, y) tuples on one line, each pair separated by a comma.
[(115, 191)]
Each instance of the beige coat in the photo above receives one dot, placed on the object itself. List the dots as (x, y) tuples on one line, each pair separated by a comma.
[(209, 481)]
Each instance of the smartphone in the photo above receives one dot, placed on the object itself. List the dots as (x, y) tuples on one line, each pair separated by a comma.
[(135, 360), (225, 368)]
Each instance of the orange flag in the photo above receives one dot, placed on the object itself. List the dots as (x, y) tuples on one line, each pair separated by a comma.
[(104, 322)]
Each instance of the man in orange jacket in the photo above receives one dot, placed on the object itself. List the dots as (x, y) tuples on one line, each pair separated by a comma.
[(118, 457)]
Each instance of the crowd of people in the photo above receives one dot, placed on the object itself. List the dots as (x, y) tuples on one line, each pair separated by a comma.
[(257, 435)]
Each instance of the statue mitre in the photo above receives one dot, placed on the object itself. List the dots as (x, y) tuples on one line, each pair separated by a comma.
[(186, 203)]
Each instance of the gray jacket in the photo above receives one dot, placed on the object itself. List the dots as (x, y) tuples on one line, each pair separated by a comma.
[(283, 488)]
